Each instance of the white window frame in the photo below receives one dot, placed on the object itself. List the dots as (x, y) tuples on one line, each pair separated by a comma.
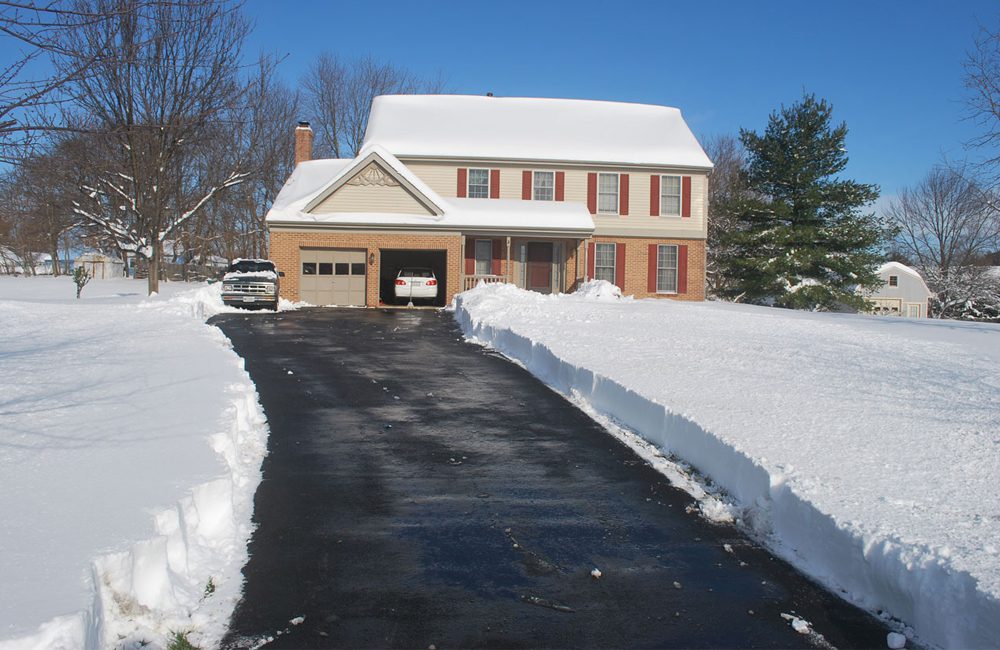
[(614, 261), (468, 182), (489, 260), (893, 281), (677, 262), (535, 187), (664, 195), (618, 192)]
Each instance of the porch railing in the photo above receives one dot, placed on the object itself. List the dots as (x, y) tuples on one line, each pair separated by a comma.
[(471, 281)]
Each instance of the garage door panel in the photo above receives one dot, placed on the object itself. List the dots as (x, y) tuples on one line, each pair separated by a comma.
[(339, 277)]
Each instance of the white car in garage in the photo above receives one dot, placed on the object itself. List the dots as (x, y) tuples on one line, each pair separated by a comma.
[(416, 282)]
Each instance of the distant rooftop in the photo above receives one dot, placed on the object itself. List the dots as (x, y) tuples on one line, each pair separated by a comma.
[(533, 129)]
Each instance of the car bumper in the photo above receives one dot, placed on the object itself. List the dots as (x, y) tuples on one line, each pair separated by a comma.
[(416, 292), (238, 300)]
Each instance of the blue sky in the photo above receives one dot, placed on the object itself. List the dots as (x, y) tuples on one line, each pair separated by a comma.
[(892, 70)]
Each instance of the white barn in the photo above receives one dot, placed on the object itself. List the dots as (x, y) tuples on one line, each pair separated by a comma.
[(903, 293), (100, 266)]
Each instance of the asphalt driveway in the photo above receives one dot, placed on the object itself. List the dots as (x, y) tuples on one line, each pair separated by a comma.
[(423, 491)]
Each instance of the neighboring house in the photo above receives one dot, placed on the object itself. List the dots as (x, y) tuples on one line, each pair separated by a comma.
[(903, 293), (35, 264), (542, 193), (101, 266)]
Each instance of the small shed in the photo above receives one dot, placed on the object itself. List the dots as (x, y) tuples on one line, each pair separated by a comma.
[(903, 292), (101, 266)]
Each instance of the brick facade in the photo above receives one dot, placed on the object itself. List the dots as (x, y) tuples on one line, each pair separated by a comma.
[(286, 244), (637, 261)]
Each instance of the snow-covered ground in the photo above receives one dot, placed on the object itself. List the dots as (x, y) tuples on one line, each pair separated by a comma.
[(865, 450), (131, 440)]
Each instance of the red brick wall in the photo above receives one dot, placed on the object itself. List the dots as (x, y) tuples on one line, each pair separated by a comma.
[(285, 246), (637, 265)]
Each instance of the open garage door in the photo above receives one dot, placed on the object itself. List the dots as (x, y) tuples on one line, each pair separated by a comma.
[(333, 277), (391, 260)]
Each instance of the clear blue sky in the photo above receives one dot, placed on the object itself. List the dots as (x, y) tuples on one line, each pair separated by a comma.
[(892, 70)]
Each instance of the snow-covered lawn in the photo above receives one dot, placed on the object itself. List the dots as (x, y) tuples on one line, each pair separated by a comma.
[(130, 447), (865, 450)]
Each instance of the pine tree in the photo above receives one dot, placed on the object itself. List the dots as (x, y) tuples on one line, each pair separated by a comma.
[(801, 240)]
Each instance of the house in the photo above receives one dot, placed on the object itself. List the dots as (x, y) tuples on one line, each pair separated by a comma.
[(903, 292), (101, 266), (542, 193)]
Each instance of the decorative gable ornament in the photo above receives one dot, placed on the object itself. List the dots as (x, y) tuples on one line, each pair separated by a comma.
[(373, 176)]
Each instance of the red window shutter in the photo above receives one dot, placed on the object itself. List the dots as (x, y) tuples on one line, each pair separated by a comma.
[(590, 260), (654, 195), (620, 266), (494, 183), (623, 194), (686, 197), (470, 256), (560, 186), (682, 269), (592, 193), (526, 185), (463, 182), (651, 269), (497, 251)]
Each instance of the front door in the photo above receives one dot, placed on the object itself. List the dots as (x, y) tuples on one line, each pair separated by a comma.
[(540, 267)]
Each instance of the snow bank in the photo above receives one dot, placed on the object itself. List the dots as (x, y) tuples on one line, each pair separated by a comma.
[(863, 450), (112, 408)]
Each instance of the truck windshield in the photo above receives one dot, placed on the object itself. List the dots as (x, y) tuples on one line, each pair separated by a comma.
[(251, 266)]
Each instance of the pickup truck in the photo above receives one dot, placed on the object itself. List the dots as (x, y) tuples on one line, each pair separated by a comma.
[(251, 283)]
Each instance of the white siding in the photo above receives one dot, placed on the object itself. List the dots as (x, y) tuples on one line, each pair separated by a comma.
[(371, 198)]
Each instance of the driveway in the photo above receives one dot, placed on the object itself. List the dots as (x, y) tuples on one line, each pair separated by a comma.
[(421, 491)]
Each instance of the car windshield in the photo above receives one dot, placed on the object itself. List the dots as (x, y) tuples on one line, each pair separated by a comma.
[(416, 273), (251, 266)]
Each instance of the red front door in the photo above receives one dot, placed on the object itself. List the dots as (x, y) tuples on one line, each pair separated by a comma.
[(540, 266)]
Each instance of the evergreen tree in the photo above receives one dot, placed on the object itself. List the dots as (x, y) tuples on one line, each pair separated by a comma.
[(801, 239)]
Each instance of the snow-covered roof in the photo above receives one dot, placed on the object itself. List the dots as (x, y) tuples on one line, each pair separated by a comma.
[(534, 129), (307, 179), (898, 267), (304, 191)]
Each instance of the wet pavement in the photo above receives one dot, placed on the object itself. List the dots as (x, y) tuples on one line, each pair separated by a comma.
[(423, 491)]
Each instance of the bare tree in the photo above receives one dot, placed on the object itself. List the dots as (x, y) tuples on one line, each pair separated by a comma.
[(946, 221), (726, 188), (164, 77), (36, 29), (982, 80), (339, 97)]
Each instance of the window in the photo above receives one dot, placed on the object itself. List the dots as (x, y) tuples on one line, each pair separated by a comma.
[(607, 193), (479, 184), (357, 268), (484, 256), (893, 280), (326, 268), (670, 196), (308, 268), (666, 269), (544, 186), (342, 268), (604, 262)]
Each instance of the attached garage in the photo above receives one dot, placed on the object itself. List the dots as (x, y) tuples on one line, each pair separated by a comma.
[(391, 260), (333, 277)]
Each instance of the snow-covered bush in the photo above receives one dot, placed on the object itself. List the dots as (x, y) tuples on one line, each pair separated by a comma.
[(964, 293)]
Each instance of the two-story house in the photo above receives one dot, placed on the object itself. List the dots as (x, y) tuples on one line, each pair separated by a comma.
[(542, 193)]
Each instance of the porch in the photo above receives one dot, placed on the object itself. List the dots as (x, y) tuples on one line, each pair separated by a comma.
[(542, 264)]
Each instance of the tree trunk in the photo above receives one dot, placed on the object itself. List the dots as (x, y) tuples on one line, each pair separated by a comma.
[(55, 257), (153, 282)]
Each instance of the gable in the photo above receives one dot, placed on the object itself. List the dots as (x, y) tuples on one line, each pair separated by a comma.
[(372, 189)]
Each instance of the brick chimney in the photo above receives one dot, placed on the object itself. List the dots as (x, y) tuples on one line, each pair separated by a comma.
[(303, 143)]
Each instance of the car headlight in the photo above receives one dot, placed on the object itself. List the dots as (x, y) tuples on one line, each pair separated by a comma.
[(269, 288), (227, 286)]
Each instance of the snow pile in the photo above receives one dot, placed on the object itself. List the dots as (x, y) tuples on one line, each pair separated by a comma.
[(112, 408), (599, 290), (863, 450)]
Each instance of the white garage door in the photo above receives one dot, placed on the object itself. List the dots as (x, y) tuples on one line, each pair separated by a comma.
[(333, 277)]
